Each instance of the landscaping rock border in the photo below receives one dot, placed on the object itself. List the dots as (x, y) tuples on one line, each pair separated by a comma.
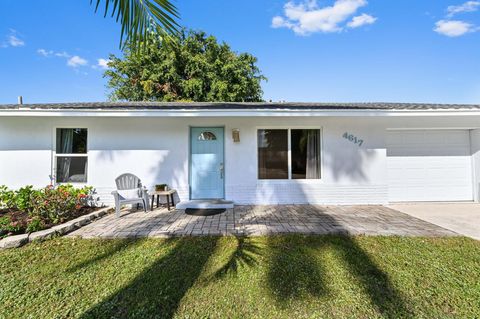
[(58, 230)]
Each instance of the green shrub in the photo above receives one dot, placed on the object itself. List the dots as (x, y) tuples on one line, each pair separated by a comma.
[(31, 210), (55, 205), (35, 224), (4, 222), (23, 198), (20, 199), (13, 224), (7, 197)]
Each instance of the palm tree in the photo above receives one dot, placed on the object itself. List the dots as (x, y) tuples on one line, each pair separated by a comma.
[(139, 18)]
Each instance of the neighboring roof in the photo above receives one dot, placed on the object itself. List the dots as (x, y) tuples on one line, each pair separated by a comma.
[(118, 106)]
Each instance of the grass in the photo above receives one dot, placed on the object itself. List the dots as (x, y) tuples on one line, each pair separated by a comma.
[(233, 277)]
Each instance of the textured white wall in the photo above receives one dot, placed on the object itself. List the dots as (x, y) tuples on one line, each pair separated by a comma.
[(156, 149), (25, 152)]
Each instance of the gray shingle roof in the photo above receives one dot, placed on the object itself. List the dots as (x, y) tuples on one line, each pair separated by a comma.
[(238, 106)]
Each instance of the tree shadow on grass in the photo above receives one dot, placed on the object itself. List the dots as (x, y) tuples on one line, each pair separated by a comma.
[(114, 247), (157, 291), (376, 283), (295, 271), (245, 253)]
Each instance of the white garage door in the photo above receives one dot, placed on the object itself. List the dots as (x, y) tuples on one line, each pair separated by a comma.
[(429, 165)]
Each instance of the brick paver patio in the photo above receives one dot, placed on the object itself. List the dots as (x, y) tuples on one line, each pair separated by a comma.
[(261, 220)]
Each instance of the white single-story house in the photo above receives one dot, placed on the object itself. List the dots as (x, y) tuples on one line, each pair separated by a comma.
[(250, 153)]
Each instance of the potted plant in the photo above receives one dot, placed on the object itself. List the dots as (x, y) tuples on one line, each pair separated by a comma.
[(161, 187)]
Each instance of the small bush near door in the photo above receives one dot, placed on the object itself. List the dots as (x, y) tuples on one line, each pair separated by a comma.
[(27, 209)]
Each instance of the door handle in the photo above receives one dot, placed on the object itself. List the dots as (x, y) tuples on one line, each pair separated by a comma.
[(221, 170)]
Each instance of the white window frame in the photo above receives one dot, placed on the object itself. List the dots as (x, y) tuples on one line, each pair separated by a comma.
[(289, 154), (55, 155)]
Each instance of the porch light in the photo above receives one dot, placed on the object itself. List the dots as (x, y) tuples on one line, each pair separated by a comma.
[(236, 135)]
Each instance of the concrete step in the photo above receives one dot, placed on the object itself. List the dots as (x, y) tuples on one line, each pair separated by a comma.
[(205, 203)]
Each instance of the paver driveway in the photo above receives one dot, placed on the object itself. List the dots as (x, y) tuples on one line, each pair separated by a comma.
[(261, 220)]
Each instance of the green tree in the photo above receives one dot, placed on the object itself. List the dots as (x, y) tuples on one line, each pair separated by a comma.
[(190, 67)]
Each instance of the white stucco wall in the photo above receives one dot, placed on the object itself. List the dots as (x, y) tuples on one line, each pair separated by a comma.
[(156, 149), (25, 152)]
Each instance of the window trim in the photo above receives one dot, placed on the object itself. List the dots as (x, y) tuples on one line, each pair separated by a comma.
[(53, 176), (289, 154)]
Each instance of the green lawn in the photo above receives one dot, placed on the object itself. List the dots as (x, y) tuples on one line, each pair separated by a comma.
[(228, 277)]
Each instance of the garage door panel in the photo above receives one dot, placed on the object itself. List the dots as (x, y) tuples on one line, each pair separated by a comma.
[(434, 194), (429, 165), (442, 135), (428, 150), (449, 176), (410, 138), (394, 138)]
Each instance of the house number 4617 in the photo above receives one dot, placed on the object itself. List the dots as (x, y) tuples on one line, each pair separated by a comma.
[(352, 138)]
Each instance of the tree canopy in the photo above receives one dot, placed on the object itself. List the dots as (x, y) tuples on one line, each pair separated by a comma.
[(191, 67)]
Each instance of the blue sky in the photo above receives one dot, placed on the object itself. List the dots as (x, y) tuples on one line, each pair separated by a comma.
[(325, 50)]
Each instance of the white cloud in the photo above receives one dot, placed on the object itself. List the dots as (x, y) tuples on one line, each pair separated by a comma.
[(76, 61), (102, 63), (453, 28), (13, 40), (44, 52), (469, 6), (306, 17), (50, 53), (62, 54), (456, 28), (278, 22), (72, 61), (361, 20)]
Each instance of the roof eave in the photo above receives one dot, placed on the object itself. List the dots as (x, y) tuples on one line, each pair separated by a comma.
[(232, 112)]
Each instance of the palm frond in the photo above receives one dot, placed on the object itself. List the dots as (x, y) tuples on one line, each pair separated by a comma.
[(139, 18)]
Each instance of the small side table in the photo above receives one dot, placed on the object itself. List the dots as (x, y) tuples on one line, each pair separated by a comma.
[(168, 194)]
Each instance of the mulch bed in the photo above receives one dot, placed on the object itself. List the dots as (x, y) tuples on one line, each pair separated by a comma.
[(22, 218)]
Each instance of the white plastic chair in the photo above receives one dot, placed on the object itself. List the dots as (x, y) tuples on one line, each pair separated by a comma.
[(129, 191)]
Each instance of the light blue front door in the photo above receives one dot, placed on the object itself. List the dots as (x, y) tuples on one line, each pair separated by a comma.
[(206, 162)]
